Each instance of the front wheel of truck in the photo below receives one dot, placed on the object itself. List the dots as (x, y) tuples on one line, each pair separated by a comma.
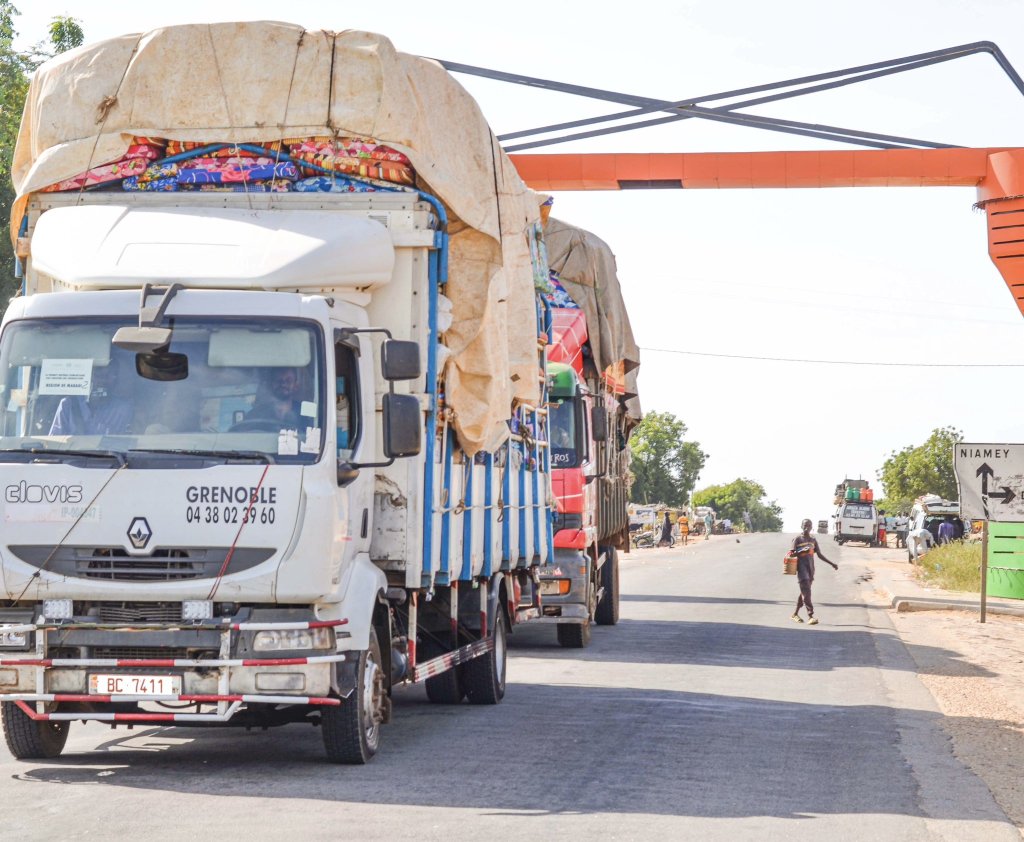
[(28, 739), (607, 613), (351, 730), (483, 678)]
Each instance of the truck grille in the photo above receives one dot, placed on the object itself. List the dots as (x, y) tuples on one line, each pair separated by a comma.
[(162, 565), (140, 612), (139, 652)]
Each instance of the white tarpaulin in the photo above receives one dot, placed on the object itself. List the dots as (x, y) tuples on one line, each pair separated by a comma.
[(252, 82), (586, 268)]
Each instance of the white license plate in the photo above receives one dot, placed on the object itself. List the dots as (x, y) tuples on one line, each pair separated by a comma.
[(134, 685)]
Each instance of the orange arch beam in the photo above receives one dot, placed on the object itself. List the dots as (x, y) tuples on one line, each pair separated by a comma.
[(998, 175)]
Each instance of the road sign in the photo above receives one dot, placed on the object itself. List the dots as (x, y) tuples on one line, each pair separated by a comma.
[(991, 480)]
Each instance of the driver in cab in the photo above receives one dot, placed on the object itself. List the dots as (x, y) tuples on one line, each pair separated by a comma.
[(279, 401)]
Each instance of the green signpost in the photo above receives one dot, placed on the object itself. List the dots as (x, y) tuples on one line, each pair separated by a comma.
[(1004, 561)]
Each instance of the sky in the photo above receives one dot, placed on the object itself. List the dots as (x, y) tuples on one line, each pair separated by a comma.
[(870, 275)]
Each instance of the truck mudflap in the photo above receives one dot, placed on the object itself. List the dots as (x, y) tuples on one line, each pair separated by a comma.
[(227, 704)]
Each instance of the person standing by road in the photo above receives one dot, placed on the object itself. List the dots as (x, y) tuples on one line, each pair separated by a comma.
[(902, 527), (881, 528), (747, 522), (806, 548), (709, 522), (666, 532), (684, 527), (946, 530)]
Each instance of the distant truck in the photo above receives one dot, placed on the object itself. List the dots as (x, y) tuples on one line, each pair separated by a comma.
[(592, 410), (856, 518)]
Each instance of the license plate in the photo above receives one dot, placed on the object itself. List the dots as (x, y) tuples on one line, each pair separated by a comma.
[(134, 685)]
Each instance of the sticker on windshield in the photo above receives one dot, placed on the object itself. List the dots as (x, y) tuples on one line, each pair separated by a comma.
[(288, 443), (311, 443), (65, 377), (307, 409)]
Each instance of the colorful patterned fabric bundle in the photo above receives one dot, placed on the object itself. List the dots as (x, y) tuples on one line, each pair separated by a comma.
[(234, 170), (176, 147), (361, 165), (101, 175)]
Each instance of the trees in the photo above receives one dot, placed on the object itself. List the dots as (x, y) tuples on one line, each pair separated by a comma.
[(924, 469), (665, 468), (739, 496), (15, 68)]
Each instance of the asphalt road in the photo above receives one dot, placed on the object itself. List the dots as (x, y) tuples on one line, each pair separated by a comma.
[(705, 714)]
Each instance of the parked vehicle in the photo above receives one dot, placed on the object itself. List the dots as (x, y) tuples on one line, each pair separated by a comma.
[(593, 409), (926, 515), (855, 521), (246, 481)]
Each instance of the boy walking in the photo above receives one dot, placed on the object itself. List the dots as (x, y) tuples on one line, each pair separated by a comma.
[(806, 548)]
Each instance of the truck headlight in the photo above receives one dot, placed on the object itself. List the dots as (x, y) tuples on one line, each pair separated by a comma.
[(58, 609), (13, 640), (292, 639)]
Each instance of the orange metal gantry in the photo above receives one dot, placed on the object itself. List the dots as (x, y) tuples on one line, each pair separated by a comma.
[(997, 174)]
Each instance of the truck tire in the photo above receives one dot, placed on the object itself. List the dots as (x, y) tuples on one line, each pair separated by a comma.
[(28, 739), (446, 688), (483, 678), (573, 635), (351, 730), (607, 613)]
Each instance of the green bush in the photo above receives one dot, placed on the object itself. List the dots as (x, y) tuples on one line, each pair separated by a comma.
[(954, 567)]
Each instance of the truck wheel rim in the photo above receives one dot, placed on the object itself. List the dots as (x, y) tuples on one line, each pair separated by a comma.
[(372, 699)]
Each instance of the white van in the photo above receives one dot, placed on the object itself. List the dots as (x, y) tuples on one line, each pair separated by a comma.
[(856, 521), (928, 512)]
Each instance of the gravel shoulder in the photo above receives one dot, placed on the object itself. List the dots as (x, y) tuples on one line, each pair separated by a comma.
[(980, 689)]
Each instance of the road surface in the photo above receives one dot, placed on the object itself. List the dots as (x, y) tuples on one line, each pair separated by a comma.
[(705, 714)]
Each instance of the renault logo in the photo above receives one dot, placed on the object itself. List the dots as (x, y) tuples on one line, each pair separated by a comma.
[(139, 533)]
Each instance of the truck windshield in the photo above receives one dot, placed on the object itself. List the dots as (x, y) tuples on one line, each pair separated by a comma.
[(232, 386), (562, 417)]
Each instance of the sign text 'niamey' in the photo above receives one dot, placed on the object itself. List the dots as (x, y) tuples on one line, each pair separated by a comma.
[(971, 452)]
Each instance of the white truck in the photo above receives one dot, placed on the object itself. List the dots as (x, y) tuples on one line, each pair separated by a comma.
[(242, 479)]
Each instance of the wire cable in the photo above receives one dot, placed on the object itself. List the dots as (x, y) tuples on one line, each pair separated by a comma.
[(827, 362)]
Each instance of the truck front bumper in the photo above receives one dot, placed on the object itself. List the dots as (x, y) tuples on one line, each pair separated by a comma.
[(564, 582), (60, 689)]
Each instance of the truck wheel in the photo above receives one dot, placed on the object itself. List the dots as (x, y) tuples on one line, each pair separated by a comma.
[(351, 730), (28, 739), (483, 678), (446, 688), (574, 635), (607, 613)]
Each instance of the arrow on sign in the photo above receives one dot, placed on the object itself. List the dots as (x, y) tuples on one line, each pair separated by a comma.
[(984, 471), (1006, 497)]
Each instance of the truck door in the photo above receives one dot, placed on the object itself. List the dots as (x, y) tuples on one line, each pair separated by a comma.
[(355, 438)]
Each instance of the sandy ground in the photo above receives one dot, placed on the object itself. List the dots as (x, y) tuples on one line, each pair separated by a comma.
[(979, 688)]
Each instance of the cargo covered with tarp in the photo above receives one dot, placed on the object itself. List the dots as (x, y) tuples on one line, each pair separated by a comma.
[(102, 117), (584, 265)]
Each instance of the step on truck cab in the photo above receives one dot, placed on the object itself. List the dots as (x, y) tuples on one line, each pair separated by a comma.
[(593, 408), (245, 480)]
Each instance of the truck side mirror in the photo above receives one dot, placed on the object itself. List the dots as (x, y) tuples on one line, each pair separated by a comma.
[(599, 423), (347, 472), (403, 424), (400, 360)]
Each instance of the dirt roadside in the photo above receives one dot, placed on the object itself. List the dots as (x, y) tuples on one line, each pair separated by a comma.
[(979, 688)]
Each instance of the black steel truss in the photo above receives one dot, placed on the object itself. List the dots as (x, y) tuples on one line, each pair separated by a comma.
[(690, 107)]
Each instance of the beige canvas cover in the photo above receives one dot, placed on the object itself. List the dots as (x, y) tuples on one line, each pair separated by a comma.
[(586, 268), (250, 82)]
